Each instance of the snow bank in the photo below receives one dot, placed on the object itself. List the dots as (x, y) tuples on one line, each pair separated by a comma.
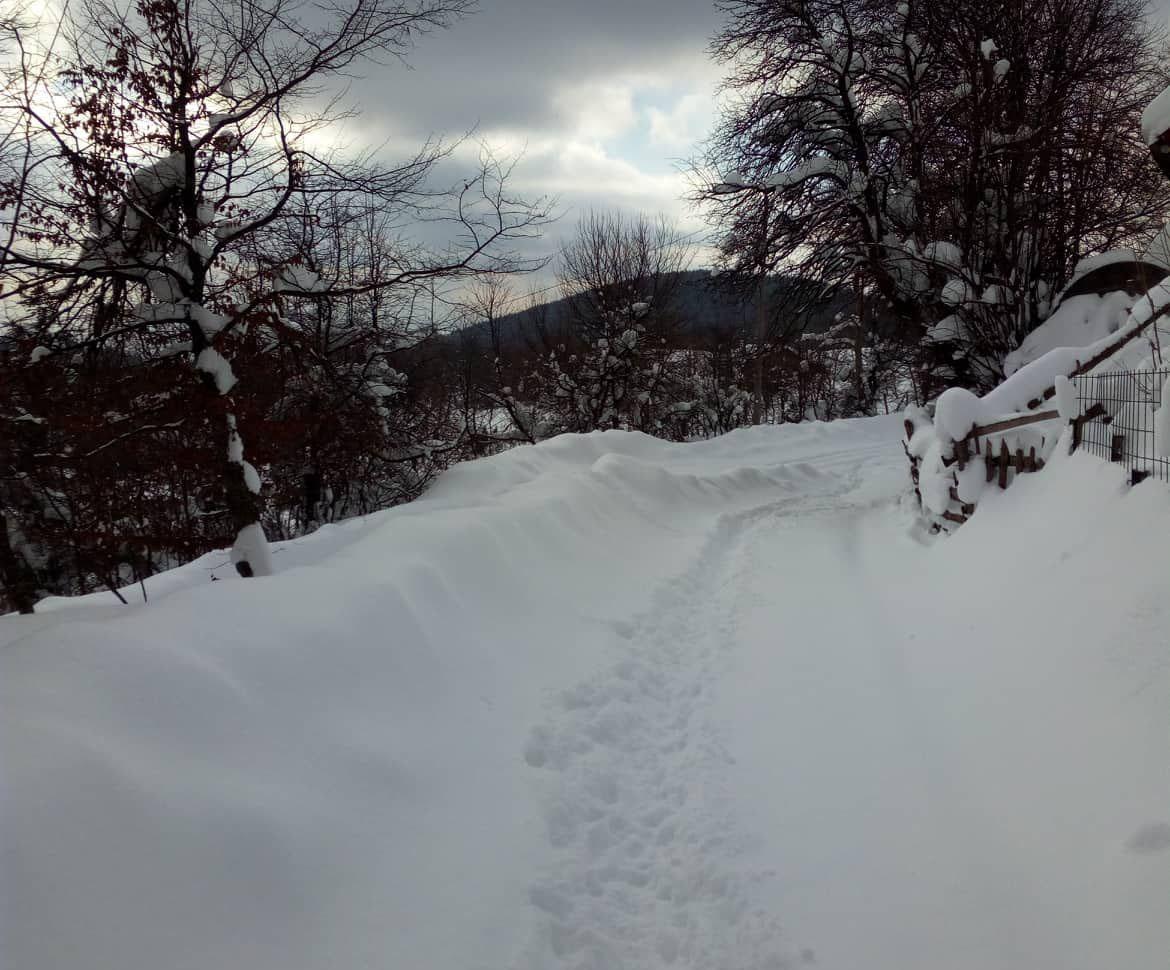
[(323, 768), (959, 760)]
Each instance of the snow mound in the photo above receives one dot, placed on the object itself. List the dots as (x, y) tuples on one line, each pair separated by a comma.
[(612, 702), (322, 768)]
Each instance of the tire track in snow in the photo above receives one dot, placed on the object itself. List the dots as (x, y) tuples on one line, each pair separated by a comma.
[(650, 870)]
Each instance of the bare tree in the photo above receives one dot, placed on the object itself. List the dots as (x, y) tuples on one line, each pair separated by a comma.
[(953, 159), (169, 192)]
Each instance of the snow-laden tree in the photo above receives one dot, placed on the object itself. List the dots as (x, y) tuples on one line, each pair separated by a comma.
[(608, 362), (163, 191), (954, 159)]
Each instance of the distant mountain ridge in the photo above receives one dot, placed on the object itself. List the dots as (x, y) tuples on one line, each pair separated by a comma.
[(704, 307)]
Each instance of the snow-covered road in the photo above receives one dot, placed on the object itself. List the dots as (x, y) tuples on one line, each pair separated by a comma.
[(612, 703)]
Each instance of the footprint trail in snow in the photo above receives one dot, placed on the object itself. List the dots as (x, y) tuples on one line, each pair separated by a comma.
[(650, 871)]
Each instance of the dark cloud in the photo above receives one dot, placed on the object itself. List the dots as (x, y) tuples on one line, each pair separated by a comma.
[(503, 66), (602, 95), (601, 99)]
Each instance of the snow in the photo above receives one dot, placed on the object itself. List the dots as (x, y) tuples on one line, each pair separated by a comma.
[(1098, 260), (988, 47), (1002, 67), (1162, 422), (957, 411), (1082, 328), (612, 702), (251, 545), (165, 287), (956, 292), (235, 448), (1077, 322), (735, 181), (944, 253), (251, 478), (209, 322), (38, 353), (818, 167), (160, 175), (1066, 399), (1156, 117), (940, 785), (211, 361)]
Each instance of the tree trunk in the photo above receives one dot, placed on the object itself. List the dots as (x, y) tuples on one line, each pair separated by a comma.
[(761, 333), (20, 582)]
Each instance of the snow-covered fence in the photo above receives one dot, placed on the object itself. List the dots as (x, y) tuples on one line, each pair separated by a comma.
[(1125, 417), (966, 442), (950, 475)]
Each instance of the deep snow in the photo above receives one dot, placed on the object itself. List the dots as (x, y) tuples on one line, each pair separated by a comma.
[(608, 702)]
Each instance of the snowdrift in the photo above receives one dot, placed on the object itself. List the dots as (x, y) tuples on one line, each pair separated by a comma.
[(322, 769), (610, 702)]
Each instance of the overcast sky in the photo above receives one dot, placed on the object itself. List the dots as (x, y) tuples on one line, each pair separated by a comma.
[(604, 98)]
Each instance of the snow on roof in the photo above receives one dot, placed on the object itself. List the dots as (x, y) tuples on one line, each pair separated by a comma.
[(1156, 118), (1077, 322), (1113, 257)]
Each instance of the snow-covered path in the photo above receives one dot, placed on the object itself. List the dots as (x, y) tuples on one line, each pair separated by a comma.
[(646, 871), (612, 703), (818, 751)]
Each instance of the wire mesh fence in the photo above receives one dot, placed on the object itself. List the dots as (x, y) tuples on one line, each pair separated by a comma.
[(1124, 433)]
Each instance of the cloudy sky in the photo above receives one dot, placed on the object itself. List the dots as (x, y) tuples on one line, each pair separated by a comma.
[(603, 98)]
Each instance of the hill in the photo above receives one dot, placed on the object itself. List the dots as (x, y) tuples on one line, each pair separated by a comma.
[(703, 307)]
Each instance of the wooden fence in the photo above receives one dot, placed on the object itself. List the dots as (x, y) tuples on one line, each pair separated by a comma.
[(1123, 401)]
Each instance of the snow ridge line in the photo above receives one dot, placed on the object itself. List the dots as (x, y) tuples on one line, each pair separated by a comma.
[(650, 871)]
